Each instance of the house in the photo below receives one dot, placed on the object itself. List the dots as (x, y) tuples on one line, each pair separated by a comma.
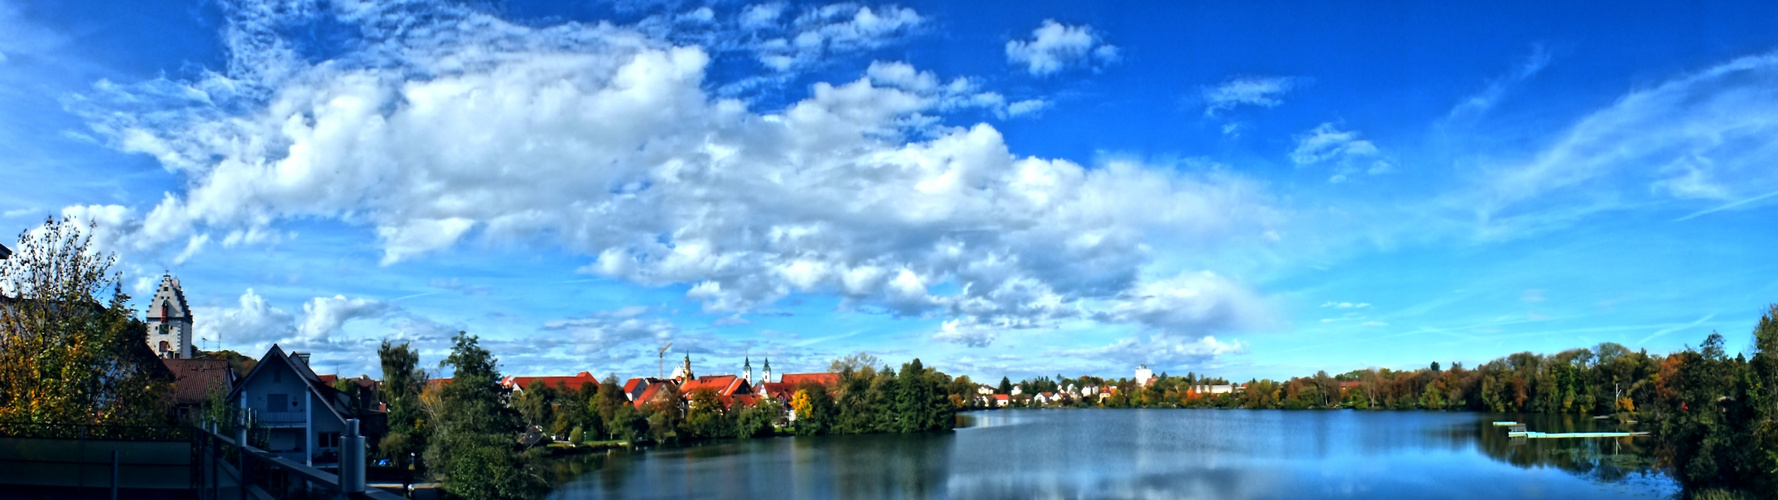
[(302, 416), (193, 382), (1017, 390), (1144, 376), (985, 390), (829, 379), (1214, 389), (571, 383), (723, 385), (1001, 400)]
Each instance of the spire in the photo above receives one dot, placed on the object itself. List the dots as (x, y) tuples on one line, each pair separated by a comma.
[(747, 366), (688, 375), (768, 374)]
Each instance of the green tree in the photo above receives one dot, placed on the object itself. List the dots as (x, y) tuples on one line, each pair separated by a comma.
[(474, 447), (402, 381), (1005, 386), (66, 356)]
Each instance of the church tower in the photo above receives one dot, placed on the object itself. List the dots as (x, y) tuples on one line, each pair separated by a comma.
[(747, 369), (768, 377), (169, 321)]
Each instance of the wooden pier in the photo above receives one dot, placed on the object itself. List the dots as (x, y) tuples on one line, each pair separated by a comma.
[(1517, 430)]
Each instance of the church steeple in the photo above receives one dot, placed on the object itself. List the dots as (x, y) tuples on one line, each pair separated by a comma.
[(747, 367), (768, 377), (687, 368)]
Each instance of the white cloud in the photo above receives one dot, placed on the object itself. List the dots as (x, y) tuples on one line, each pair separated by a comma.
[(1697, 142), (1055, 46), (1026, 107), (249, 328), (821, 31), (1190, 304), (1265, 92), (1496, 89), (761, 16), (610, 147), (1163, 351), (1343, 151), (324, 316)]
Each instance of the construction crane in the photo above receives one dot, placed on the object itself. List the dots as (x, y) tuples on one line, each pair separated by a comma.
[(663, 355)]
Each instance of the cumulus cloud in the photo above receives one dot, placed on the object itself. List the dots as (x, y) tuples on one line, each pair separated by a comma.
[(1164, 350), (1264, 92), (323, 316), (820, 31), (1190, 304), (1699, 141), (1344, 151), (253, 323), (1054, 47), (602, 140)]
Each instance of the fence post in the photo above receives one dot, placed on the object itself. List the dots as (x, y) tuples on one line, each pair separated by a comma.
[(351, 460), (241, 448)]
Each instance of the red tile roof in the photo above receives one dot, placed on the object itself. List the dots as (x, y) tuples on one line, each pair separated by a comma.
[(775, 390), (819, 378), (193, 379), (572, 383), (648, 394), (328, 379), (1002, 397), (724, 385)]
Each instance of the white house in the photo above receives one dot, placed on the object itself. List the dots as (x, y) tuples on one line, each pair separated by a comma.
[(1016, 390), (303, 416), (1144, 375), (985, 390)]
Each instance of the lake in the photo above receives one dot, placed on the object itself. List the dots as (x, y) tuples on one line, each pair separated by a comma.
[(1154, 453)]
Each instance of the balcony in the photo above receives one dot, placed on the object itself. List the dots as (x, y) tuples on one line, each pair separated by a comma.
[(281, 418)]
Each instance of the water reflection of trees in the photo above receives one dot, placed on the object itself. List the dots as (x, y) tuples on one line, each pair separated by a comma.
[(1598, 459)]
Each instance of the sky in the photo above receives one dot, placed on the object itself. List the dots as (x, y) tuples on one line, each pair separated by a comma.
[(1241, 189)]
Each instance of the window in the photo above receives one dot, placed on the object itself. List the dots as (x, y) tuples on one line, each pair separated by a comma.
[(277, 402)]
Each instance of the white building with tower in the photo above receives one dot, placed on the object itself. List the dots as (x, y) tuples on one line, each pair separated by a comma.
[(169, 321), (1144, 375)]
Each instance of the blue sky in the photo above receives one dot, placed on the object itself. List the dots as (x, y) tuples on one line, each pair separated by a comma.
[(1247, 189)]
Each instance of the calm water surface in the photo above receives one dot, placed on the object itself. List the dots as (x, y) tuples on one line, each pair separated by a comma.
[(1232, 454)]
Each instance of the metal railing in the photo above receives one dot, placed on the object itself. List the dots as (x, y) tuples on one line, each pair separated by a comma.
[(259, 474)]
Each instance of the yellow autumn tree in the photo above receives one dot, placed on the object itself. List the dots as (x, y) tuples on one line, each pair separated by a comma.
[(66, 355)]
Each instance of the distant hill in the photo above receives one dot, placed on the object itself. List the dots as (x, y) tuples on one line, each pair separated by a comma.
[(241, 363)]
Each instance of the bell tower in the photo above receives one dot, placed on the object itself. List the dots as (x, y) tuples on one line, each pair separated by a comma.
[(768, 374), (169, 321), (747, 369)]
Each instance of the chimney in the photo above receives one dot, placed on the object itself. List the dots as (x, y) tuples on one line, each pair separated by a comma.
[(300, 357)]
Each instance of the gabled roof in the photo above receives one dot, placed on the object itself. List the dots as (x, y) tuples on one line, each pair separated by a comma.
[(329, 398), (724, 385), (649, 393), (570, 382), (170, 292), (775, 390), (194, 378), (828, 378)]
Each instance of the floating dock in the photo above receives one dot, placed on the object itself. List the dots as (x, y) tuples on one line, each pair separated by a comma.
[(1560, 435)]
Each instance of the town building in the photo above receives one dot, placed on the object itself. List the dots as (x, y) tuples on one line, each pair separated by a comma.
[(194, 380), (569, 383), (1144, 376), (303, 417), (169, 321)]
